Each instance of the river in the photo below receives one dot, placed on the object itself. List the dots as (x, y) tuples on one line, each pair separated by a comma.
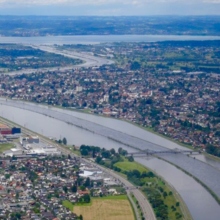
[(95, 39), (93, 130)]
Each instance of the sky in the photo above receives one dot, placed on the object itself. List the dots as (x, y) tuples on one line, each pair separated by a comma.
[(110, 7)]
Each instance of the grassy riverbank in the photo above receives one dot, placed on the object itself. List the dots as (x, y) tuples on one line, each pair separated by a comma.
[(199, 181), (161, 196)]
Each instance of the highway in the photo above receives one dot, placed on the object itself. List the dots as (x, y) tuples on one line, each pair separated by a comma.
[(88, 61), (145, 206)]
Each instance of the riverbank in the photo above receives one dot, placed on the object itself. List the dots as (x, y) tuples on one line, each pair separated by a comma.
[(166, 205), (149, 129), (159, 185), (59, 119), (199, 181), (138, 166)]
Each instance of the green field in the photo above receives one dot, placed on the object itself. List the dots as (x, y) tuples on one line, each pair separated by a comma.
[(117, 197), (68, 205), (156, 190), (127, 166), (103, 208), (4, 147)]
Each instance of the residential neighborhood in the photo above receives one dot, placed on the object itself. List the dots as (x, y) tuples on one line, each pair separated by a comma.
[(37, 188), (178, 104)]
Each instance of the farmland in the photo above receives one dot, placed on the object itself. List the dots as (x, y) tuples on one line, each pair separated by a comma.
[(106, 208)]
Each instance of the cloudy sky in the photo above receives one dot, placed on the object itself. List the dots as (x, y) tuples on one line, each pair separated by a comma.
[(110, 7)]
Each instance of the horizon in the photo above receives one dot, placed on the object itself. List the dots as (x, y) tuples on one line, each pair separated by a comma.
[(110, 7), (108, 16)]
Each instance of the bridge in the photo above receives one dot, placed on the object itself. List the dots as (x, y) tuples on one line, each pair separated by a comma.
[(143, 153)]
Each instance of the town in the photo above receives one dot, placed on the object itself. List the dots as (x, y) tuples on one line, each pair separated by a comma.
[(45, 184), (44, 180), (181, 104)]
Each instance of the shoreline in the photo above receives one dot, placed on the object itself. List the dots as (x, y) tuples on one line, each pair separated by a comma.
[(196, 179)]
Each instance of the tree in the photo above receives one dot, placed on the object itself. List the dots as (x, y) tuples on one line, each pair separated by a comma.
[(135, 66), (64, 141), (122, 151), (7, 176), (98, 159), (165, 194), (86, 198), (74, 188), (83, 188), (131, 159), (65, 189), (136, 173), (106, 154), (112, 151), (80, 217), (87, 182), (17, 195), (84, 152)]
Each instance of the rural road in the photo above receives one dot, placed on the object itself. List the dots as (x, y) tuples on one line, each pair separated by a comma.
[(146, 208)]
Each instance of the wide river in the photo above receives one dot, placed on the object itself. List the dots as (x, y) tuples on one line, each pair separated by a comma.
[(94, 39), (80, 128)]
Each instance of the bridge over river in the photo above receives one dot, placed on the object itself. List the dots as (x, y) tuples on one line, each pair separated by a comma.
[(148, 152)]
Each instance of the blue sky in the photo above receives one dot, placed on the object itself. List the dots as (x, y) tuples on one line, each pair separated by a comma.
[(110, 7)]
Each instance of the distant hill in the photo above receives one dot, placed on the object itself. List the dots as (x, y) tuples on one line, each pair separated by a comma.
[(83, 25)]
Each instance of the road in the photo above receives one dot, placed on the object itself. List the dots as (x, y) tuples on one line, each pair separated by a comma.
[(89, 61), (145, 206)]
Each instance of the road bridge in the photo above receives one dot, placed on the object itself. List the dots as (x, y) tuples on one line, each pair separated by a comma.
[(147, 152)]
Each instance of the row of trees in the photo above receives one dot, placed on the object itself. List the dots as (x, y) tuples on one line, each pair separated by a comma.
[(62, 141), (94, 152), (213, 150)]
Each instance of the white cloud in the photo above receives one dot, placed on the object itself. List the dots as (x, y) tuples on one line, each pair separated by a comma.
[(110, 7), (212, 1), (90, 2)]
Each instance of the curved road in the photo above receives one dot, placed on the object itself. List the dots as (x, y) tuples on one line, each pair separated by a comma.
[(89, 61)]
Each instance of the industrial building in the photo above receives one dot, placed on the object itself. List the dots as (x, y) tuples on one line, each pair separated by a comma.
[(29, 140), (5, 130)]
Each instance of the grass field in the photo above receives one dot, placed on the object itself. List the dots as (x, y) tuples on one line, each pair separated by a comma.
[(4, 147), (155, 184), (68, 205), (127, 166), (106, 208)]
